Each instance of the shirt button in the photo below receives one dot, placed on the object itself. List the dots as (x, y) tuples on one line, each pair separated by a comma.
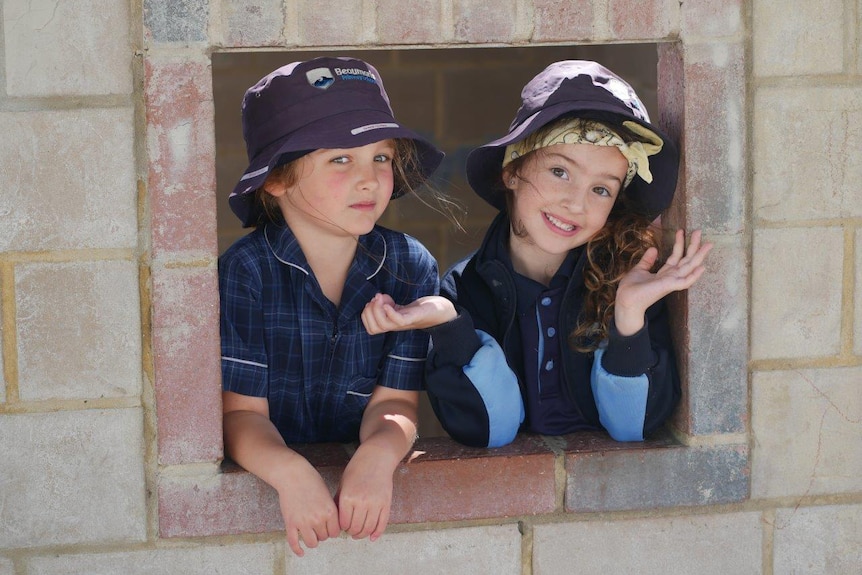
[(551, 332), (546, 301), (550, 365)]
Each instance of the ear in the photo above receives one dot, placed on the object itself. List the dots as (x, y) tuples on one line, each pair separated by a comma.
[(274, 187), (508, 178)]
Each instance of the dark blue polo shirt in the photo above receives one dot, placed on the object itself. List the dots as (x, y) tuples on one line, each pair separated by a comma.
[(547, 406), (284, 340)]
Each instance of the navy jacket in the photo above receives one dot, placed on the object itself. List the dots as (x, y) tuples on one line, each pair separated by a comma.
[(474, 371)]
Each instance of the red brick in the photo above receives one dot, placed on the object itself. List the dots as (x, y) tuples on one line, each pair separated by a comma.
[(185, 297), (642, 19), (562, 20), (484, 21), (181, 149), (188, 393), (408, 21), (450, 482)]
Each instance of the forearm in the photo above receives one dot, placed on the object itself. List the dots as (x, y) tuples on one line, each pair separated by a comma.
[(253, 442), (388, 430)]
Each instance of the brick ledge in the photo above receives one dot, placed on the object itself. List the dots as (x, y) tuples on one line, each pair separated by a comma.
[(445, 481)]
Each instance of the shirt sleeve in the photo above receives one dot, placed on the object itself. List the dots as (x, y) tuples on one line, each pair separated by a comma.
[(244, 362)]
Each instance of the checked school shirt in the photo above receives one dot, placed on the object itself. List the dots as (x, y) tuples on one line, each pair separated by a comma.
[(282, 339)]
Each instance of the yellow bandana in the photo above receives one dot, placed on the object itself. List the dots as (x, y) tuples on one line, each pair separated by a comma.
[(578, 131)]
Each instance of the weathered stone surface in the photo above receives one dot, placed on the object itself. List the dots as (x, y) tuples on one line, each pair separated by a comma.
[(72, 477), (78, 330), (68, 180), (67, 48)]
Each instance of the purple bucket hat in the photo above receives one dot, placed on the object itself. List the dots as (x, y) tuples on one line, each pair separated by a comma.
[(329, 102), (582, 89)]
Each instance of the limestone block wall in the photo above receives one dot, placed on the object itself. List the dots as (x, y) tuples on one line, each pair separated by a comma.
[(109, 393)]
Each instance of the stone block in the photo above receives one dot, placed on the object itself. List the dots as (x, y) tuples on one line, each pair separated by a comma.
[(78, 330), (69, 179), (655, 474), (487, 550), (715, 137), (709, 19), (796, 292), (793, 38), (655, 546), (805, 149), (478, 22), (248, 559), (408, 22), (6, 566), (72, 478), (181, 146), (562, 20), (714, 356), (642, 19), (253, 22), (331, 23), (818, 540), (805, 423), (181, 22), (67, 49), (187, 364)]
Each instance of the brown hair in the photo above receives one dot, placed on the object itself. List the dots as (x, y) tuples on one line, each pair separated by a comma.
[(610, 254)]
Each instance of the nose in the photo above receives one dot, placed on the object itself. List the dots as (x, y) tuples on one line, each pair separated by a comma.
[(574, 200), (367, 175)]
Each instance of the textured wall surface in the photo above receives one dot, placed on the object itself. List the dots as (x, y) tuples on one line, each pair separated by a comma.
[(109, 391)]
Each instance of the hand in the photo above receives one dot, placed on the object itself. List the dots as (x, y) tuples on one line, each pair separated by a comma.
[(382, 314), (307, 507), (640, 288), (365, 495)]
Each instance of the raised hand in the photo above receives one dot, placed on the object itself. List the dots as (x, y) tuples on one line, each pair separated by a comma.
[(640, 288), (382, 314)]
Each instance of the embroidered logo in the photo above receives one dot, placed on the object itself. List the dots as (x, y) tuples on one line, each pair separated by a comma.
[(320, 78)]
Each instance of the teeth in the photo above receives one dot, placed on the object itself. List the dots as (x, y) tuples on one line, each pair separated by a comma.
[(559, 224)]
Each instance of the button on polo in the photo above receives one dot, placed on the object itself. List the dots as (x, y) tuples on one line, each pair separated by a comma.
[(549, 365), (546, 301), (551, 332)]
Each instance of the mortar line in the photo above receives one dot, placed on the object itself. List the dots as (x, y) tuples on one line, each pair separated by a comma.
[(848, 310), (10, 335)]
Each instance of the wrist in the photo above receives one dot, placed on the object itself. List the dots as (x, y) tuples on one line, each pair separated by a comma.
[(629, 322)]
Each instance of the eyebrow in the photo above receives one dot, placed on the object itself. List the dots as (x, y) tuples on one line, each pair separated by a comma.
[(568, 160)]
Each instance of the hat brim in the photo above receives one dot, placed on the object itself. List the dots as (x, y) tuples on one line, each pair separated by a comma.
[(485, 163), (348, 130)]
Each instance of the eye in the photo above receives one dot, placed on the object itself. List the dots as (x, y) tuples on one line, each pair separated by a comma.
[(340, 160), (560, 173), (383, 158), (602, 191)]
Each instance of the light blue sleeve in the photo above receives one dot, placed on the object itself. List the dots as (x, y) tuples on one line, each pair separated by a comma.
[(498, 387), (621, 401)]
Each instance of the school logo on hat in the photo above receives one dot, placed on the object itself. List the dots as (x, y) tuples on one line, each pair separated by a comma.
[(320, 78)]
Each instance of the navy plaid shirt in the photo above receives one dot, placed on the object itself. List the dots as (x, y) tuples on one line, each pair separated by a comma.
[(282, 339)]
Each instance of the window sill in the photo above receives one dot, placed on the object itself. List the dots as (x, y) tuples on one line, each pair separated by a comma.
[(445, 481)]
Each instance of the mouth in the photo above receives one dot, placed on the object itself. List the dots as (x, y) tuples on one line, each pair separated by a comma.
[(559, 224), (363, 206)]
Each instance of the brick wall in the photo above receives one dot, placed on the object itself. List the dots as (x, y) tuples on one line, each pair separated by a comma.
[(109, 393)]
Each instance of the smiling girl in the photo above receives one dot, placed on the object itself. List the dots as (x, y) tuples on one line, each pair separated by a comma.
[(557, 323)]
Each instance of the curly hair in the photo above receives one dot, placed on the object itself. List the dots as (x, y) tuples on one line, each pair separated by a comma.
[(610, 254)]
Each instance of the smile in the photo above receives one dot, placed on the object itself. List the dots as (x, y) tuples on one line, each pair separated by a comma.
[(559, 223)]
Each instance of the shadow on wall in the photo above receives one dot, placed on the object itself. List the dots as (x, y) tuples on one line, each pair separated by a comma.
[(457, 98)]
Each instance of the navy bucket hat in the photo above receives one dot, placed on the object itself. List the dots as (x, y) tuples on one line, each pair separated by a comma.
[(580, 89), (328, 102)]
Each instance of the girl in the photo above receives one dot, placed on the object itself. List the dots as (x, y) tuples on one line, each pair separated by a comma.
[(558, 321), (325, 156)]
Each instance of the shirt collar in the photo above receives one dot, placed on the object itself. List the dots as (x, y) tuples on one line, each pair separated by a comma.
[(369, 260)]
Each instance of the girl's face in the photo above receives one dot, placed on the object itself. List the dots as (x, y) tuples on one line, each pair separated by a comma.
[(339, 192), (562, 197)]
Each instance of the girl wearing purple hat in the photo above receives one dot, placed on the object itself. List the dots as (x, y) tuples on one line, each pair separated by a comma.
[(557, 323), (326, 155)]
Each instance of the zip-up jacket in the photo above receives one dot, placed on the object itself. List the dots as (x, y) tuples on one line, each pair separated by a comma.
[(474, 373)]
